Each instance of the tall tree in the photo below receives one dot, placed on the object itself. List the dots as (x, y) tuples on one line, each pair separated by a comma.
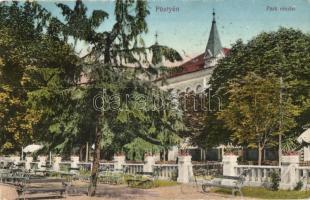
[(117, 64), (21, 31), (107, 65), (254, 111), (285, 53)]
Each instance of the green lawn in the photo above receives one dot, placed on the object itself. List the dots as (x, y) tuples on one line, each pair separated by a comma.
[(154, 184), (164, 183), (258, 192)]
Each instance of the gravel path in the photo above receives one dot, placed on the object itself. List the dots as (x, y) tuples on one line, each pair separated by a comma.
[(109, 192)]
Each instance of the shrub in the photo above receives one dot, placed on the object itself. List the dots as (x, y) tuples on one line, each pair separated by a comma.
[(299, 185), (275, 181)]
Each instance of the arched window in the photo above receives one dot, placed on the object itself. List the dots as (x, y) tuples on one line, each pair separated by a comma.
[(198, 89), (188, 90)]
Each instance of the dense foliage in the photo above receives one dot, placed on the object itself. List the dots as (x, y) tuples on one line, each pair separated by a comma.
[(256, 113), (44, 99), (284, 53)]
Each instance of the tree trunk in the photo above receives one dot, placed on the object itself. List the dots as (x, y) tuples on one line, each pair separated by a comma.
[(107, 55), (95, 168), (260, 154)]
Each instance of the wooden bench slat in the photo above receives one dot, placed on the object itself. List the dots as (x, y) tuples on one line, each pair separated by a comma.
[(44, 189), (231, 177), (221, 186)]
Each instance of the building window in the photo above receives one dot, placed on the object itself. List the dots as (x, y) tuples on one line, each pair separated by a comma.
[(188, 90), (198, 89)]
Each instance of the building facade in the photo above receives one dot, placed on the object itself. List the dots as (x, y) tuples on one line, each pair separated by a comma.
[(195, 74)]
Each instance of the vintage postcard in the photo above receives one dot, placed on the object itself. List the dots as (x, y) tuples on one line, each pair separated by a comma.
[(155, 99)]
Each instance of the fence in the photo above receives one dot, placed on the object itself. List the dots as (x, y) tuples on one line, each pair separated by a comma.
[(166, 171), (303, 174), (257, 175), (289, 171), (133, 168)]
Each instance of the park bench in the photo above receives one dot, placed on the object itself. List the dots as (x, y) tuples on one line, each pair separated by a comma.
[(13, 176), (42, 186), (235, 183), (72, 173), (144, 179)]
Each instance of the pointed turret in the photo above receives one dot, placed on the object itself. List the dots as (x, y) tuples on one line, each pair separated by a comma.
[(214, 46)]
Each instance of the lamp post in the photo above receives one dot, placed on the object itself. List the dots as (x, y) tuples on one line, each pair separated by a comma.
[(281, 120)]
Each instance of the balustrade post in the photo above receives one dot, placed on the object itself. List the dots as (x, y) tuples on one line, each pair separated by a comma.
[(289, 176), (265, 176), (56, 164), (229, 168), (259, 175), (42, 162), (253, 175), (229, 165), (185, 168), (119, 161), (29, 160), (74, 163), (149, 162)]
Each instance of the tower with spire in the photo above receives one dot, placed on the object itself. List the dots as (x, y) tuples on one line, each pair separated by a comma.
[(214, 49), (194, 74)]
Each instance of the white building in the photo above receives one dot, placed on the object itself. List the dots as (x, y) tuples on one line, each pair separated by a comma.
[(194, 75)]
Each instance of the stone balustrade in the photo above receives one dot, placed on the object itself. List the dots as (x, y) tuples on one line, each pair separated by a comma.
[(133, 168), (166, 171), (303, 174), (289, 171), (256, 175)]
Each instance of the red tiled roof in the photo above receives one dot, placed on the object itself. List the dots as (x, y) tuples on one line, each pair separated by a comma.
[(226, 51), (193, 65)]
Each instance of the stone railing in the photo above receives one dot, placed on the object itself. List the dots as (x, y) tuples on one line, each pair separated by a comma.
[(257, 175), (103, 166), (85, 166), (289, 171), (107, 166), (182, 171), (303, 174), (166, 171), (133, 168)]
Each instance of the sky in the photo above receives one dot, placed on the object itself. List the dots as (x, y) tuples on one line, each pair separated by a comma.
[(187, 25)]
